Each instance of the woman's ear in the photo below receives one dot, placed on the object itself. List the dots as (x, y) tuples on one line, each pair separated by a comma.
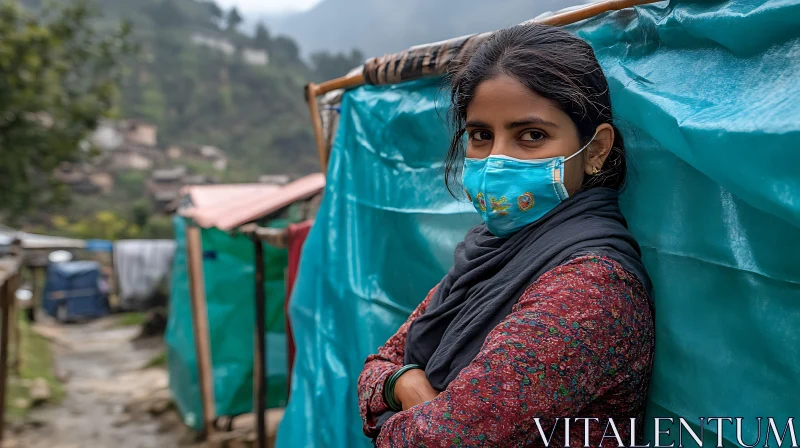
[(599, 149)]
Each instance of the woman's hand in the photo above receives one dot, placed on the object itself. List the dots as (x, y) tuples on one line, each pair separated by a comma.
[(413, 388)]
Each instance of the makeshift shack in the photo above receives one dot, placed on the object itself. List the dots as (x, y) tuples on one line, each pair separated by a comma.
[(211, 324), (707, 98)]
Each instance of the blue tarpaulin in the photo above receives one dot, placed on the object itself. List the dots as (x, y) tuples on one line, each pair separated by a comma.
[(73, 287), (99, 245), (708, 99)]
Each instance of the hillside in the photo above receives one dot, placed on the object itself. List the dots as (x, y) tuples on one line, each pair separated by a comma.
[(385, 26), (191, 80), (203, 82)]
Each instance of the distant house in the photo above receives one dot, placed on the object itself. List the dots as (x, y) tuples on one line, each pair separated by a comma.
[(254, 56), (214, 155), (107, 136), (168, 175), (82, 180), (174, 152), (103, 181), (251, 56), (164, 185), (112, 135), (222, 45), (140, 133), (127, 159)]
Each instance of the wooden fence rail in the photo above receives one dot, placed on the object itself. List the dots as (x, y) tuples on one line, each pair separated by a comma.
[(9, 282)]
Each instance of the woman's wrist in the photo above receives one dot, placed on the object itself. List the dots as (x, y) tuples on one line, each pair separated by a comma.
[(389, 387)]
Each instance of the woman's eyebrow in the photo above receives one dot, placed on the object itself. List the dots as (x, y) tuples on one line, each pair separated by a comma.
[(477, 124), (527, 121)]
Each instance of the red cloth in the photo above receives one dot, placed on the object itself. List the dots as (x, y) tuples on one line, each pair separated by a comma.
[(296, 236)]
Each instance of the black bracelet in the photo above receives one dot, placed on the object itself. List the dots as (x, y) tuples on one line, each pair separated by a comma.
[(391, 382)]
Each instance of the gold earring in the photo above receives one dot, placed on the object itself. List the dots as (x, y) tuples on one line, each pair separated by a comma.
[(595, 170)]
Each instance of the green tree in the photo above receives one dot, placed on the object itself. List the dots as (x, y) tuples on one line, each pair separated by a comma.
[(141, 211), (106, 225), (261, 38), (158, 227), (329, 66), (58, 77), (284, 50), (234, 18), (216, 12), (167, 13)]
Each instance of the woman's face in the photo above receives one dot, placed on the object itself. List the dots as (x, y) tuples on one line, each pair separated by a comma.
[(506, 118)]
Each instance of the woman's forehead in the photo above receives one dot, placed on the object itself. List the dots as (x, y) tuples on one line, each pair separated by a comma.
[(503, 99)]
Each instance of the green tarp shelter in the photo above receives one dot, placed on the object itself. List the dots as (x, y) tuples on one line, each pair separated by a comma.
[(228, 276), (228, 272)]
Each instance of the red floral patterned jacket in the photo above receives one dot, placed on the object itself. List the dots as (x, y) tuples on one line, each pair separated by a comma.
[(579, 343)]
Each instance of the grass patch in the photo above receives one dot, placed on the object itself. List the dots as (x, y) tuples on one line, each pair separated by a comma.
[(160, 360), (131, 319), (36, 361)]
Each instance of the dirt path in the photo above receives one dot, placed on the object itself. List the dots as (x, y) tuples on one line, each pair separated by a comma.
[(106, 384)]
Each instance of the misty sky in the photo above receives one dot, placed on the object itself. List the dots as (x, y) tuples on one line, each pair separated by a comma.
[(269, 6)]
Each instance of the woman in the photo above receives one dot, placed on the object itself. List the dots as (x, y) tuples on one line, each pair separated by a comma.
[(546, 313)]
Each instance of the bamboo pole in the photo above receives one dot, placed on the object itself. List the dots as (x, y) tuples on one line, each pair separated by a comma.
[(592, 10), (202, 343), (344, 82), (358, 79)]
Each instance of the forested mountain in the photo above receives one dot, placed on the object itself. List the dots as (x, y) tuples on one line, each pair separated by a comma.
[(385, 26), (200, 80), (195, 78)]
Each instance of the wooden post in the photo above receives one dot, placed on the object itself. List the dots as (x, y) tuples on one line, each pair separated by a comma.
[(259, 361), (316, 121), (5, 292), (14, 336), (31, 311), (202, 344)]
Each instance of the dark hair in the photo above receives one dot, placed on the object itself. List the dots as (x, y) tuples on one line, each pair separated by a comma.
[(556, 65)]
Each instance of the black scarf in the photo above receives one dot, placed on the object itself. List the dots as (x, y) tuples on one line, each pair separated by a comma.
[(490, 274)]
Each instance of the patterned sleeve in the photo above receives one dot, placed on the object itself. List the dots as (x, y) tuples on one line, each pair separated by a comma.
[(379, 367), (571, 331)]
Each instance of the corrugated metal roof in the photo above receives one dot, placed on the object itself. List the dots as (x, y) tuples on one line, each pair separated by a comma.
[(234, 207), (205, 196)]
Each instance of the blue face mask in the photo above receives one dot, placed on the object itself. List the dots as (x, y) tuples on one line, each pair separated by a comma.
[(511, 193)]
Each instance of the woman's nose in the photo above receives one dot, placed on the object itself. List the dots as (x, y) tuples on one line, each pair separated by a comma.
[(501, 147)]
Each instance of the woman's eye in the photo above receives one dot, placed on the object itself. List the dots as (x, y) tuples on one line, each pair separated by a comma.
[(533, 136), (481, 135)]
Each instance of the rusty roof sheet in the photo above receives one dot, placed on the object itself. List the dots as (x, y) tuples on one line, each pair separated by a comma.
[(228, 208)]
